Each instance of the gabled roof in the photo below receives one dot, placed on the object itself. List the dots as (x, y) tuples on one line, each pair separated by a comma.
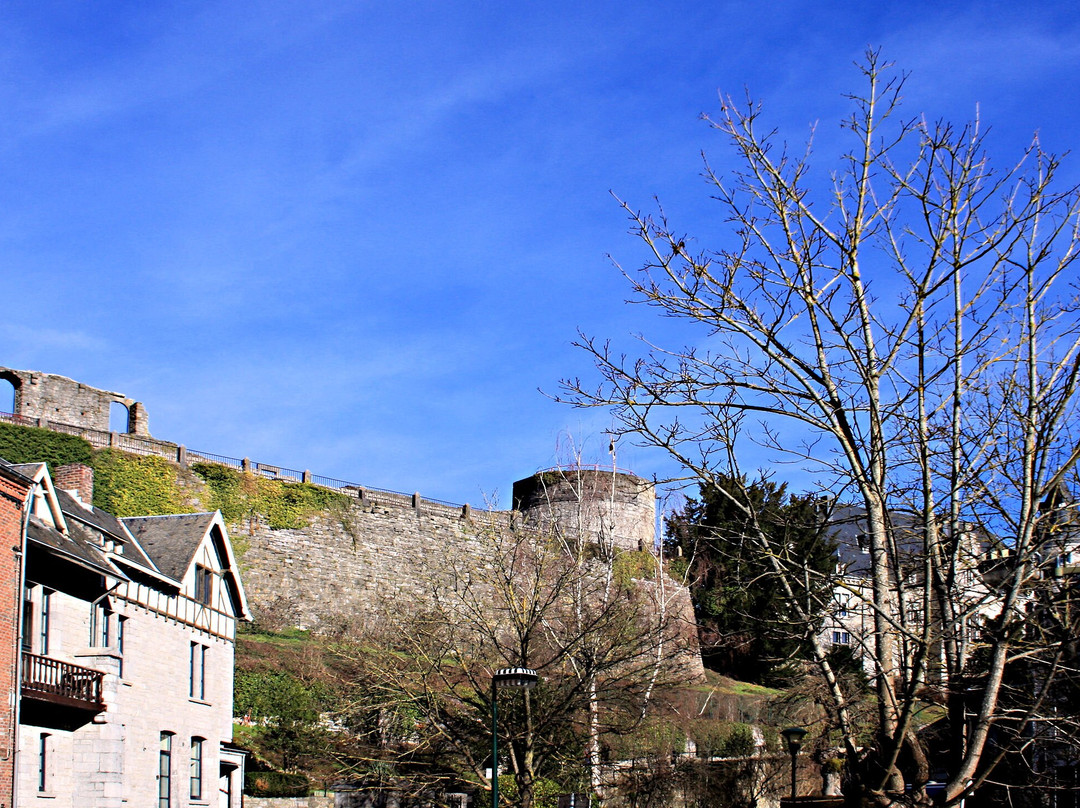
[(78, 547), (13, 475), (29, 470), (105, 522), (39, 473), (171, 541)]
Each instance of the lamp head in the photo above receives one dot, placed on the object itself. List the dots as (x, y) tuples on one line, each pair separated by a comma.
[(525, 678), (794, 738)]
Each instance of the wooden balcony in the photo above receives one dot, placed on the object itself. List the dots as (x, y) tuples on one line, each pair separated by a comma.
[(56, 682)]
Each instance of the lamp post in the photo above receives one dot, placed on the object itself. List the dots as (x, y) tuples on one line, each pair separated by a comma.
[(793, 736), (522, 678)]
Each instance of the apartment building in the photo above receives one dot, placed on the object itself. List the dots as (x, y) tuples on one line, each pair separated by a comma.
[(126, 644)]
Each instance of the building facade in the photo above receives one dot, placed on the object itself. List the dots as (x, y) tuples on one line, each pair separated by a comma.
[(126, 644), (14, 495)]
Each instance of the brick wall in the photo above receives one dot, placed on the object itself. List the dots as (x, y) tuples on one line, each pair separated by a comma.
[(12, 497), (76, 477)]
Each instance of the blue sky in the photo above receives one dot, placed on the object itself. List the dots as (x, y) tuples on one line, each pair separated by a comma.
[(358, 237)]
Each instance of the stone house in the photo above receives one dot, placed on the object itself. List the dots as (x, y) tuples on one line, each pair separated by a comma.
[(849, 621), (126, 642)]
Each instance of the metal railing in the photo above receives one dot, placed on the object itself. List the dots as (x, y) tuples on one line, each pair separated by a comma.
[(52, 679), (138, 444)]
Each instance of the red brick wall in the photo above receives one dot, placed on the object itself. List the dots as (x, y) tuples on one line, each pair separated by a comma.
[(76, 477), (12, 497)]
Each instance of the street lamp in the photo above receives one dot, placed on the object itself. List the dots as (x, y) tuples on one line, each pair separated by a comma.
[(793, 736), (522, 678)]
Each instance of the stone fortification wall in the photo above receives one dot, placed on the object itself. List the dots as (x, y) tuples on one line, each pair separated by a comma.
[(612, 508), (355, 564), (386, 550), (48, 397), (349, 570)]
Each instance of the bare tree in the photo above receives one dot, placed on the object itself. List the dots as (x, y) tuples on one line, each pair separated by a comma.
[(537, 598), (916, 326)]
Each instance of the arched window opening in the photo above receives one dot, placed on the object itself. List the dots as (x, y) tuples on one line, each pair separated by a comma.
[(7, 395), (119, 418)]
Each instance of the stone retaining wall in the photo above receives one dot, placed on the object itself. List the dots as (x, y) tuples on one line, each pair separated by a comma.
[(288, 802)]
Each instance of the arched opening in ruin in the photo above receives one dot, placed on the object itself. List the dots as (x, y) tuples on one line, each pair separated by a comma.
[(119, 418), (9, 387)]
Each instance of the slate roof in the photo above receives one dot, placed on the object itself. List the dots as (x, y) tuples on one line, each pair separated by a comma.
[(26, 469), (79, 548), (104, 522), (848, 528), (171, 541)]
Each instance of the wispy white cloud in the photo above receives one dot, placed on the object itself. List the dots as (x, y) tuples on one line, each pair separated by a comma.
[(29, 340)]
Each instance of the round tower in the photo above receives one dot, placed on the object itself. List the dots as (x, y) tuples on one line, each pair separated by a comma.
[(615, 509)]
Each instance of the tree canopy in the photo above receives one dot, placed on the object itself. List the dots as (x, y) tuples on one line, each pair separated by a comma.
[(747, 628), (907, 332)]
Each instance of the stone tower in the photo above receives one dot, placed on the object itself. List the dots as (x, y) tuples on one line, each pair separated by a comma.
[(612, 508)]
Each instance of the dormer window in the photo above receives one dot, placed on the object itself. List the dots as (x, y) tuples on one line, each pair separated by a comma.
[(204, 585)]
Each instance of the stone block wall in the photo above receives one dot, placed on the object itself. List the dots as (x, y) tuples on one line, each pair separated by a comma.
[(58, 398), (352, 566), (612, 508), (288, 802), (350, 570), (112, 760)]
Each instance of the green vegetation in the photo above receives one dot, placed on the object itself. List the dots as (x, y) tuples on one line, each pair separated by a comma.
[(745, 622), (633, 565), (275, 784), (650, 740), (242, 495), (136, 485), (30, 444), (723, 739), (285, 710), (545, 792)]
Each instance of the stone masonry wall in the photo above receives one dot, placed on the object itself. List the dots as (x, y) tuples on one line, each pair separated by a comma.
[(355, 565), (350, 570), (58, 398), (386, 551), (613, 508)]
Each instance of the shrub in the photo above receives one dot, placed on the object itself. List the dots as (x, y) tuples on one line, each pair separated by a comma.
[(634, 564), (239, 495), (275, 784), (31, 444)]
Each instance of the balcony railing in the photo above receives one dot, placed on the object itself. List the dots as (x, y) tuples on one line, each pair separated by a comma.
[(59, 682)]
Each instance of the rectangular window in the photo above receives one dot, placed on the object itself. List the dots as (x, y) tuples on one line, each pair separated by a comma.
[(197, 672), (196, 768), (43, 761), (165, 771), (28, 623), (46, 604), (100, 625), (841, 638), (121, 627), (204, 585)]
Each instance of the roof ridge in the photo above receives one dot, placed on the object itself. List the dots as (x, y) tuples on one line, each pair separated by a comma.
[(169, 515)]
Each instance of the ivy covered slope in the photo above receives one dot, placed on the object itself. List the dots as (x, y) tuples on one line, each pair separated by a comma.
[(29, 444), (136, 485), (243, 496)]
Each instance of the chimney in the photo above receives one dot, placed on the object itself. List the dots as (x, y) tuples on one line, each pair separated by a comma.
[(76, 477)]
